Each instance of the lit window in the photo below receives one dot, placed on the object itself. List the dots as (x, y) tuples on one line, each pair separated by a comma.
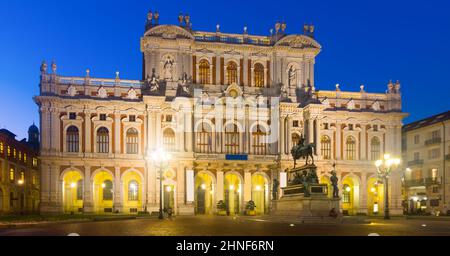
[(259, 75), (346, 199), (22, 176), (132, 141), (15, 153), (107, 190), (325, 144), (2, 149), (11, 174), (102, 140), (24, 157), (35, 162), (204, 72), (73, 139), (9, 151), (20, 155), (375, 148), (232, 73), (169, 140), (351, 148), (133, 191)]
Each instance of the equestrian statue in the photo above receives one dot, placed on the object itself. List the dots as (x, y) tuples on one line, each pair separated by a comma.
[(303, 151)]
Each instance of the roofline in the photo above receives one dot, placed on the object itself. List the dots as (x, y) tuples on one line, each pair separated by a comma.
[(415, 125)]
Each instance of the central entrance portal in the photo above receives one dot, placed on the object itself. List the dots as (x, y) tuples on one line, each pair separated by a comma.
[(233, 193)]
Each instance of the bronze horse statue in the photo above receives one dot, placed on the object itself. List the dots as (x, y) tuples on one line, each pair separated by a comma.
[(303, 151)]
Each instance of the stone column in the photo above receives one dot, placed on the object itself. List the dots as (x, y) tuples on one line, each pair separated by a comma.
[(395, 194), (117, 133), (45, 188), (247, 186), (55, 184), (88, 199), (159, 136), (87, 132), (288, 138), (220, 183), (151, 135), (181, 127), (45, 129), (55, 130), (118, 206), (318, 138), (189, 130), (282, 134), (363, 194), (338, 141)]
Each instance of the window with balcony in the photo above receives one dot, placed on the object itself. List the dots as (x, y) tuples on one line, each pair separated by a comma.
[(232, 73), (204, 139), (259, 75), (169, 140), (103, 140), (259, 141), (232, 139), (434, 153), (204, 72), (350, 148)]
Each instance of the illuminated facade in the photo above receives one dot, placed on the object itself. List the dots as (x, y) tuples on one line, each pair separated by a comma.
[(228, 107), (19, 173), (426, 157)]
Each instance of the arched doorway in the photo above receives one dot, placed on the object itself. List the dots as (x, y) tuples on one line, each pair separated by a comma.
[(260, 193), (375, 197), (350, 195), (103, 192), (132, 192), (72, 188), (204, 187), (233, 193)]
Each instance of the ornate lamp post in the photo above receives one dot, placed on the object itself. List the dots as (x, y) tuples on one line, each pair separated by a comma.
[(384, 168), (161, 159)]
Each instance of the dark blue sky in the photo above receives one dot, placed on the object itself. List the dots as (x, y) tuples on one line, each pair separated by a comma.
[(366, 42)]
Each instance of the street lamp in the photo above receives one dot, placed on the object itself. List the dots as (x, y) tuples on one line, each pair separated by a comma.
[(161, 159), (384, 168)]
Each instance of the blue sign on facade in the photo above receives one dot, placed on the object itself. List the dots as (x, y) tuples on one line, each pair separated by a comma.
[(236, 157)]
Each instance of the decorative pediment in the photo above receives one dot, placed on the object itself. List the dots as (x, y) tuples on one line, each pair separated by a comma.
[(232, 52), (169, 32), (204, 51), (72, 91), (298, 41), (259, 54), (233, 91)]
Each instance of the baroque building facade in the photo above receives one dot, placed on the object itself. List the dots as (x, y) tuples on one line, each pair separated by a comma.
[(426, 157), (228, 108), (19, 173)]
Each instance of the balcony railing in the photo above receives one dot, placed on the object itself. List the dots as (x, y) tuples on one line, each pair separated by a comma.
[(415, 162), (422, 182), (433, 141)]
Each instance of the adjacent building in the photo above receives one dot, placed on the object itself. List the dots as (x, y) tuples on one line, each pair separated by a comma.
[(426, 155), (19, 173), (228, 107)]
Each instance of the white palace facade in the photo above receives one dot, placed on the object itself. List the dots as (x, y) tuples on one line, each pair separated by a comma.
[(228, 108)]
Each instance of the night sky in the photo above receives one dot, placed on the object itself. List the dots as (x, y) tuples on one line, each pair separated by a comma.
[(364, 42)]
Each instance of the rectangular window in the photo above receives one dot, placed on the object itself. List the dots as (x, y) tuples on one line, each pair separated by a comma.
[(9, 151), (416, 156), (24, 158), (15, 153), (434, 153), (35, 162), (20, 155), (72, 116), (102, 117), (417, 139), (375, 128), (350, 127), (2, 149), (435, 189), (132, 118), (435, 134), (169, 118), (11, 174), (295, 124), (434, 203)]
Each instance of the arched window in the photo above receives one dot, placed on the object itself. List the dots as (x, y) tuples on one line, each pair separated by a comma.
[(232, 139), (350, 148), (204, 139), (325, 144), (73, 139), (169, 140), (133, 191), (259, 141), (132, 141), (259, 75), (80, 190), (204, 72), (375, 148), (107, 190), (232, 73), (295, 139), (102, 140)]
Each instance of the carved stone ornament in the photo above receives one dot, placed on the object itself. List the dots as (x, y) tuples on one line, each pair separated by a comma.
[(72, 91), (132, 94), (102, 93), (376, 106), (351, 105)]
